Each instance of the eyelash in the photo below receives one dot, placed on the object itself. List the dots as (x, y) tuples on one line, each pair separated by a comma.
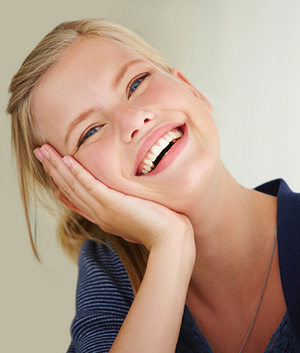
[(88, 134), (131, 89)]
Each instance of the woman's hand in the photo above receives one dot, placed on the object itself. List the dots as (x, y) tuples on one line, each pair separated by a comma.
[(153, 321), (135, 219)]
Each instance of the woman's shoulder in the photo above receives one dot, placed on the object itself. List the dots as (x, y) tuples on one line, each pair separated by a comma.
[(99, 256), (288, 230), (103, 298), (102, 273)]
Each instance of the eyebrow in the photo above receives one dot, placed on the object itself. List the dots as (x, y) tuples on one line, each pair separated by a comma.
[(121, 73), (115, 82)]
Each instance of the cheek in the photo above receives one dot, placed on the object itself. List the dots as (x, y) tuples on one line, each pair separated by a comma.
[(165, 93), (101, 161)]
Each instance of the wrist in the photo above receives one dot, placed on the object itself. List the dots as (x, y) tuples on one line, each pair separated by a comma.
[(177, 252)]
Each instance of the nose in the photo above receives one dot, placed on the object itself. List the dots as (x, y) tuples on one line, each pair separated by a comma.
[(131, 121)]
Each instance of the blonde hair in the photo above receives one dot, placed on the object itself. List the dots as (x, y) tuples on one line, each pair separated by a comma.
[(35, 185)]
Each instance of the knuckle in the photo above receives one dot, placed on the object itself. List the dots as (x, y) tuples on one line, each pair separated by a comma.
[(71, 185), (54, 163), (89, 187), (105, 223), (106, 227), (47, 168), (69, 188), (76, 173), (87, 184), (65, 191)]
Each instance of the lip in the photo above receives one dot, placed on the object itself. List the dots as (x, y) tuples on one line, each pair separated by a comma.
[(151, 140)]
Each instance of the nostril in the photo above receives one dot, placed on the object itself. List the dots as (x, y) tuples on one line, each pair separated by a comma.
[(146, 120), (134, 133)]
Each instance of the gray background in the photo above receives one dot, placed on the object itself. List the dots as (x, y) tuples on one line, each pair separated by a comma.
[(243, 55)]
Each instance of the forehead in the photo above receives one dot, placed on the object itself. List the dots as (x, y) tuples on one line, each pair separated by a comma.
[(83, 61), (104, 50), (89, 55)]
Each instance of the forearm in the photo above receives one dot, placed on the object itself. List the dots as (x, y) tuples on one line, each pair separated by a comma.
[(154, 319)]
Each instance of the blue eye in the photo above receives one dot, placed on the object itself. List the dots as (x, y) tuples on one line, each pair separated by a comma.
[(89, 133), (135, 84)]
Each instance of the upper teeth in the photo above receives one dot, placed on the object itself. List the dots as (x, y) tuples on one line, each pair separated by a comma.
[(147, 164)]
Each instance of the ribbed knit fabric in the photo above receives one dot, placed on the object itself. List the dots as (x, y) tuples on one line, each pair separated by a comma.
[(104, 296)]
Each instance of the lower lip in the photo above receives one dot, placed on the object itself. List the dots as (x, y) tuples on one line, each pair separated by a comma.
[(172, 154)]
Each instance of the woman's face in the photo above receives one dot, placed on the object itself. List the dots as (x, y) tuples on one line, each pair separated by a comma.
[(117, 114)]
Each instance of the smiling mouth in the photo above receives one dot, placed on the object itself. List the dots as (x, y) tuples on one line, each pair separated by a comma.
[(159, 150)]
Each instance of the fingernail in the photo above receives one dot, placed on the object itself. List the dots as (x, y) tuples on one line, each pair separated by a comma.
[(45, 152), (38, 154), (66, 162)]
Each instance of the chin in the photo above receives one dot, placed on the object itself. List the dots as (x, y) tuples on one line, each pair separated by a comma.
[(189, 190)]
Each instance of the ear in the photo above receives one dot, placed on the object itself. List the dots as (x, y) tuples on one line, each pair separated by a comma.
[(178, 74), (68, 203)]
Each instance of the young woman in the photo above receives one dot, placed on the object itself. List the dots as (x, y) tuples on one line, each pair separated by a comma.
[(174, 254)]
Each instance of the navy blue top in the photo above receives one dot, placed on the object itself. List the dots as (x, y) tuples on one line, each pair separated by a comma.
[(104, 292)]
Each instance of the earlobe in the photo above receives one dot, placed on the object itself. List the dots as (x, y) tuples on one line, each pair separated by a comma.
[(68, 203), (178, 74)]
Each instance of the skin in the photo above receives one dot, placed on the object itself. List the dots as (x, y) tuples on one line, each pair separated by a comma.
[(109, 155), (210, 233)]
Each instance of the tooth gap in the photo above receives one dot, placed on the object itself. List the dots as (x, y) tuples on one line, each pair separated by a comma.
[(162, 153)]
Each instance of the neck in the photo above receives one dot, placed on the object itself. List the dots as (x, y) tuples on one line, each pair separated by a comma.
[(234, 231)]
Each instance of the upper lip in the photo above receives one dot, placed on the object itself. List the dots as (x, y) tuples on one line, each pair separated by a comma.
[(150, 141)]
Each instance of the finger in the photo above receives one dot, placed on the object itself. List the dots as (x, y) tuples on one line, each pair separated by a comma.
[(115, 212), (87, 193), (64, 179), (91, 185), (105, 203)]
